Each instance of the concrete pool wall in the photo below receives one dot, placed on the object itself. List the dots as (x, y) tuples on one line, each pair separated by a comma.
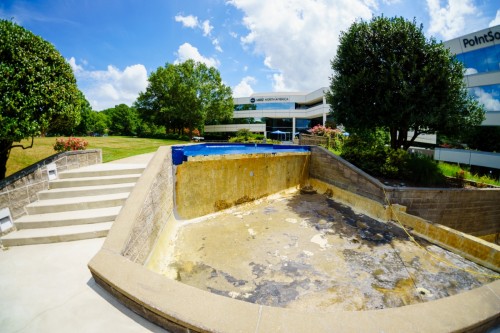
[(207, 184), (119, 267), (475, 212)]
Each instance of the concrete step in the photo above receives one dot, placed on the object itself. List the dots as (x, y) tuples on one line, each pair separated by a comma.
[(94, 181), (68, 192), (100, 170), (61, 219), (76, 203), (56, 234)]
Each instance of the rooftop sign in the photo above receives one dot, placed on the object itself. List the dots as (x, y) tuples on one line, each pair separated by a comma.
[(487, 37), (269, 99)]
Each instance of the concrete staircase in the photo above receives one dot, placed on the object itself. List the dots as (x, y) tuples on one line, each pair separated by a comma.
[(81, 204)]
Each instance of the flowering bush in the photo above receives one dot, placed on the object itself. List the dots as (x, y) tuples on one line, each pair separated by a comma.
[(325, 131), (70, 143), (334, 136)]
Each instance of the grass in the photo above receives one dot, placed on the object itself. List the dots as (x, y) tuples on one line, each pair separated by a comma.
[(451, 170), (113, 148)]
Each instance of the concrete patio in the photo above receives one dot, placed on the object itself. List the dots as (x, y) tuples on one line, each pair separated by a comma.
[(48, 288)]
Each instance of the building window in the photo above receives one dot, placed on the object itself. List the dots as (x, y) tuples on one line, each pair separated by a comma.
[(482, 60), (264, 106), (487, 95)]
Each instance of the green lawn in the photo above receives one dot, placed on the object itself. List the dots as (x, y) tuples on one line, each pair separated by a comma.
[(113, 148), (451, 170)]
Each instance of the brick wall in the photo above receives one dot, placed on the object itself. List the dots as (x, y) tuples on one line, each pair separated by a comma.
[(312, 140), (473, 211), (21, 188), (476, 212), (334, 170)]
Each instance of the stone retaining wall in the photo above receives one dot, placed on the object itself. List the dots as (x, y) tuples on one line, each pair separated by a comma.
[(473, 211), (312, 140), (147, 210), (21, 188)]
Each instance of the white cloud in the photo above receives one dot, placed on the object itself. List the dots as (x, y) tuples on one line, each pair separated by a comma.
[(489, 101), (189, 21), (244, 88), (187, 51), (299, 38), (453, 19), (216, 44), (105, 89), (206, 27), (76, 68), (496, 20), (470, 71)]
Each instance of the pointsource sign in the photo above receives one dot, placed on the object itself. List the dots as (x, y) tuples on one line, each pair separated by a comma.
[(269, 99), (488, 37)]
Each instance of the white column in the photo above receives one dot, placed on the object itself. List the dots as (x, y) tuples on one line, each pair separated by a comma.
[(293, 127), (324, 113)]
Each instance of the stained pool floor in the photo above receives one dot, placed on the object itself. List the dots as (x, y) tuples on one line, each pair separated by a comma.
[(309, 252)]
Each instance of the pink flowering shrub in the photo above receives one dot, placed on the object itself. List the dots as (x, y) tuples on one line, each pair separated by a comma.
[(70, 143), (321, 130)]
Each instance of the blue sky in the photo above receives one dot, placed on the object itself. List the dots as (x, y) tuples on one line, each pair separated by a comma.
[(257, 45)]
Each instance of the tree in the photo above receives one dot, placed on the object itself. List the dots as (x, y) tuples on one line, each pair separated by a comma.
[(185, 95), (124, 120), (37, 89), (388, 75), (86, 114), (68, 127)]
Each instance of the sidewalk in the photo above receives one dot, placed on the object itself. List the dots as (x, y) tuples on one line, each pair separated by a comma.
[(48, 288)]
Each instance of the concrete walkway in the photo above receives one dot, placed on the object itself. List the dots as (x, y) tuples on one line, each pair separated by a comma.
[(48, 288)]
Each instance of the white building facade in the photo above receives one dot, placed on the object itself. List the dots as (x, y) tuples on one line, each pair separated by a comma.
[(480, 53), (286, 112)]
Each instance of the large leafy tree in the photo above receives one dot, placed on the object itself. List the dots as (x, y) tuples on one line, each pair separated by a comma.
[(124, 120), (388, 75), (38, 90), (185, 95)]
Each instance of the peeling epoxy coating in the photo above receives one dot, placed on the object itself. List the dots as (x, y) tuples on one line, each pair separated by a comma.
[(308, 252)]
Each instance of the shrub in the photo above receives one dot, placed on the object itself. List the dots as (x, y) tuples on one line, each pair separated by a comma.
[(364, 155), (244, 135), (423, 170), (382, 161), (70, 143), (395, 164)]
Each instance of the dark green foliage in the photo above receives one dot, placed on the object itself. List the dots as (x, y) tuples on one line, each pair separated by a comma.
[(185, 95), (484, 138), (379, 160), (38, 91), (123, 120), (388, 75), (364, 155), (244, 135), (423, 170)]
